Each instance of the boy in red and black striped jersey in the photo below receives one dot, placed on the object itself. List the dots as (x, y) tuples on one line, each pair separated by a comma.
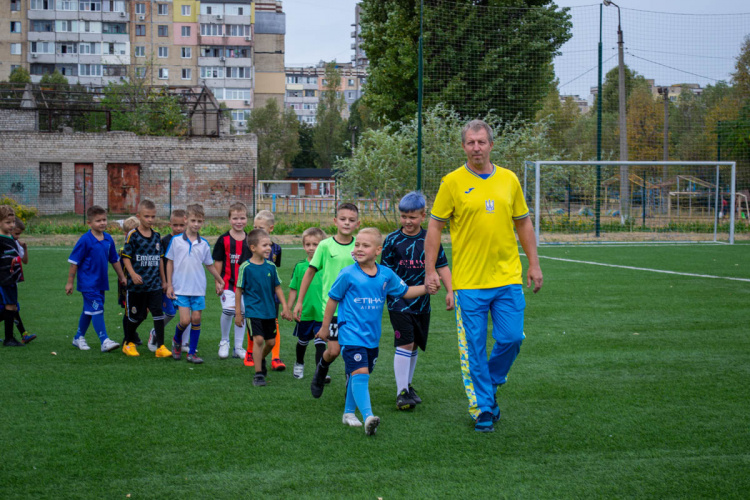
[(231, 250)]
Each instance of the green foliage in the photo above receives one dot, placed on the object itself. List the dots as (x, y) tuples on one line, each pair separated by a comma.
[(330, 132), (23, 212), (143, 110), (54, 78), (278, 138), (611, 88), (19, 75), (306, 157)]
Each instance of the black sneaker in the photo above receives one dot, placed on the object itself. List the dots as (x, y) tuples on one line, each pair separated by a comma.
[(12, 343), (318, 381), (404, 401), (259, 380), (413, 395)]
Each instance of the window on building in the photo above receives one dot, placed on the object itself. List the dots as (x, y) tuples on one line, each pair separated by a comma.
[(15, 49), (114, 28), (140, 51), (90, 69), (240, 11), (212, 29), (115, 70), (15, 27), (163, 52), (113, 6), (186, 52), (185, 31), (90, 6), (66, 26), (50, 178), (350, 95), (162, 9), (40, 47), (140, 8), (67, 48), (187, 73), (44, 26), (238, 30), (350, 82), (41, 5), (186, 10), (309, 93), (163, 30), (89, 48), (212, 72), (140, 30), (140, 71), (15, 5), (208, 9), (67, 5), (243, 73), (163, 73)]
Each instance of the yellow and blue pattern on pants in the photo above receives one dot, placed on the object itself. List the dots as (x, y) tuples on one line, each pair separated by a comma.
[(481, 213)]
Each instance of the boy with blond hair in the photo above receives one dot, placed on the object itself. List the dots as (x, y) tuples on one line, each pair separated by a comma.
[(265, 220), (361, 290), (231, 251), (88, 260), (257, 286), (312, 310), (186, 281)]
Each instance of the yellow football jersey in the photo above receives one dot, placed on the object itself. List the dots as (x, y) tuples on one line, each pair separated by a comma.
[(481, 213)]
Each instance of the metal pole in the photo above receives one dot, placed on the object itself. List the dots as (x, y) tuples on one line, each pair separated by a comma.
[(420, 90), (716, 204), (170, 191), (732, 204), (624, 178), (84, 196), (598, 202), (665, 153), (537, 185)]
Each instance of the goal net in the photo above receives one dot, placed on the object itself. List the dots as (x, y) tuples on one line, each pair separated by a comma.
[(637, 201)]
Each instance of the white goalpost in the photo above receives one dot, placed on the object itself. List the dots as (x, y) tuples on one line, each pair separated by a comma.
[(649, 201)]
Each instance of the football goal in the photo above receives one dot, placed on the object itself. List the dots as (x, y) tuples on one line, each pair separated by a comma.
[(634, 201)]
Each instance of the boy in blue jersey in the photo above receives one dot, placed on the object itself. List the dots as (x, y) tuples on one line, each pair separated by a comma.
[(89, 259), (259, 287), (403, 253), (360, 293)]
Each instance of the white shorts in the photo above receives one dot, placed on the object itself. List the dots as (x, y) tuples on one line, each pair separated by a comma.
[(227, 301)]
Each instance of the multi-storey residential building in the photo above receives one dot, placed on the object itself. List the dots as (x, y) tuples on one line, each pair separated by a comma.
[(172, 42), (359, 59), (305, 86)]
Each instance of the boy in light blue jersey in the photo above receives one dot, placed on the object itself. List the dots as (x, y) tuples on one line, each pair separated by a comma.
[(360, 293)]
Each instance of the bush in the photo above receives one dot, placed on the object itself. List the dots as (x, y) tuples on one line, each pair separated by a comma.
[(22, 211)]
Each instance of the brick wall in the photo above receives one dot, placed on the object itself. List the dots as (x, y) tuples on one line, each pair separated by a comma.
[(14, 119), (211, 171)]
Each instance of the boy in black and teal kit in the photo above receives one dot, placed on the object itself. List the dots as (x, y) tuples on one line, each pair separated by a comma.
[(10, 273)]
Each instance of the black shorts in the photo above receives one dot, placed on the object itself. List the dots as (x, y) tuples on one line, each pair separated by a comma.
[(306, 330), (265, 328), (9, 294), (408, 328), (140, 303), (333, 329)]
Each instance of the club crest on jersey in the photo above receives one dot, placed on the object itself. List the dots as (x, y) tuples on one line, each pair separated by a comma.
[(157, 245), (489, 205)]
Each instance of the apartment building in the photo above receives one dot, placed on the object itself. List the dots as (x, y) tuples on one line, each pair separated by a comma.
[(173, 42), (305, 86), (359, 58)]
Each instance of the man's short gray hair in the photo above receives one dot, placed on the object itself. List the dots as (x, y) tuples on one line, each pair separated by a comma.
[(474, 126)]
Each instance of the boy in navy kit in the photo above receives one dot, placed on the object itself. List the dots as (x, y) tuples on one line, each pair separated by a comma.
[(23, 253), (177, 224), (403, 253), (89, 259), (10, 273), (186, 281), (257, 285), (141, 257), (122, 290), (265, 220), (231, 251), (360, 292)]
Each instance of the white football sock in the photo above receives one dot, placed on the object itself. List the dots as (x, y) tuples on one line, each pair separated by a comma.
[(413, 363), (401, 364), (227, 321)]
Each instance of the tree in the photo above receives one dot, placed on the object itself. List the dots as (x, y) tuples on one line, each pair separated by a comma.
[(306, 157), (144, 110), (54, 78), (611, 88), (330, 128), (645, 126), (19, 75), (278, 138), (741, 75), (561, 117), (360, 119), (479, 55)]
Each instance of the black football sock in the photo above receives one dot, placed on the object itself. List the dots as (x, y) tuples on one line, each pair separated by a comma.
[(319, 350), (8, 326), (301, 348), (19, 323)]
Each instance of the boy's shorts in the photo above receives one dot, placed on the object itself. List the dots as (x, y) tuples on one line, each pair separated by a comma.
[(192, 302), (140, 303), (9, 294), (265, 328), (306, 330), (356, 357), (167, 305), (93, 303), (227, 301), (408, 328)]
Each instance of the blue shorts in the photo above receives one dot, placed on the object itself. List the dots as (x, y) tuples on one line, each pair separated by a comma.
[(306, 330), (93, 303), (356, 357), (9, 294), (192, 302), (167, 305)]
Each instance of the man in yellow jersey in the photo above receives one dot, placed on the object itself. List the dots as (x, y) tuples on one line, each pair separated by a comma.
[(483, 202)]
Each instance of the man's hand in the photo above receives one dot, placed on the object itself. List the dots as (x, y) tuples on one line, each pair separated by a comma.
[(534, 274), (432, 282), (449, 302)]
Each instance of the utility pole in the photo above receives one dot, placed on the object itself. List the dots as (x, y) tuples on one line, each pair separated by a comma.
[(624, 177), (664, 92)]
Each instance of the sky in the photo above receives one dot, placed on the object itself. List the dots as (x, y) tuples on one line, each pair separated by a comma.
[(321, 29)]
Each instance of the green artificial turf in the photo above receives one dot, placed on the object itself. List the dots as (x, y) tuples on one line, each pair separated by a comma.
[(630, 384)]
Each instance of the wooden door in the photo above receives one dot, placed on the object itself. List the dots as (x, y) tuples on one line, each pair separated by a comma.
[(124, 187), (83, 188)]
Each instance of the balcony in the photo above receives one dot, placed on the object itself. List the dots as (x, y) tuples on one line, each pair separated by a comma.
[(41, 14), (42, 36), (34, 57)]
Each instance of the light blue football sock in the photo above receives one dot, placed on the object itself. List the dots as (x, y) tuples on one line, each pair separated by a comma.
[(350, 406), (360, 385)]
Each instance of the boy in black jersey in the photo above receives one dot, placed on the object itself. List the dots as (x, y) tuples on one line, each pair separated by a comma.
[(10, 273), (232, 251), (141, 258)]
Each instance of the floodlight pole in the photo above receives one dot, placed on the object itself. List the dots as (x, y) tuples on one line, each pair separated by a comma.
[(420, 91), (624, 178), (598, 199)]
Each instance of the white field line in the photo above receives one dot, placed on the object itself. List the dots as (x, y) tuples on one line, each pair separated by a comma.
[(633, 268)]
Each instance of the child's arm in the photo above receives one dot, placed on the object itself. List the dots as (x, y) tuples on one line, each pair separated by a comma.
[(128, 265), (162, 275), (219, 282), (292, 297), (303, 287), (331, 306), (71, 278), (25, 258), (170, 270), (284, 307), (414, 291), (120, 275), (445, 276), (238, 318)]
